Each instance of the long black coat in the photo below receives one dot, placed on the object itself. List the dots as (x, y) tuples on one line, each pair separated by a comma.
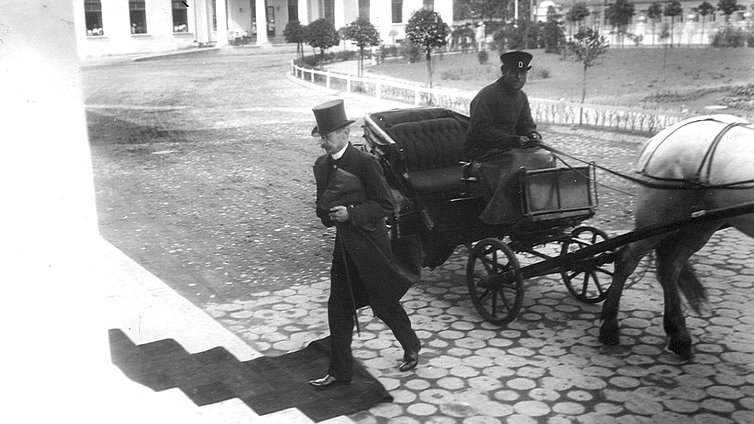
[(496, 114), (365, 238)]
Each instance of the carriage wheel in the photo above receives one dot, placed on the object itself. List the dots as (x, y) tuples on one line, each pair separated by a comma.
[(495, 282), (588, 284)]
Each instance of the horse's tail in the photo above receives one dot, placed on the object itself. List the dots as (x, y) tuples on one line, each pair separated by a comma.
[(688, 282)]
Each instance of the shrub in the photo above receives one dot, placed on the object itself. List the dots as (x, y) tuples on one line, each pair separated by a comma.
[(452, 74), (729, 36), (482, 57), (539, 73), (342, 55), (311, 62), (410, 51)]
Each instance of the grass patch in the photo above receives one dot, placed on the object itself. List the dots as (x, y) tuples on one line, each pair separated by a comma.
[(624, 78)]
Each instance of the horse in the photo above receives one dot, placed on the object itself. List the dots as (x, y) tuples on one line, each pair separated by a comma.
[(700, 163)]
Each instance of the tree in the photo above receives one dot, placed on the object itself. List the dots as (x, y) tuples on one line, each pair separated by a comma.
[(363, 34), (553, 33), (426, 29), (728, 7), (654, 12), (576, 15), (321, 34), (664, 34), (705, 9), (587, 47), (295, 33), (672, 9), (619, 15)]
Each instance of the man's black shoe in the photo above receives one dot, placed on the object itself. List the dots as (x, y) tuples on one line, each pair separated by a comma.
[(410, 359), (327, 381)]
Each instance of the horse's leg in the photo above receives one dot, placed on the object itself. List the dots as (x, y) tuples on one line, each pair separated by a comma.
[(652, 207), (629, 258), (673, 269)]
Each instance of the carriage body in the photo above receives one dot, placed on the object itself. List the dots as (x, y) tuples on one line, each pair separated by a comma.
[(420, 150)]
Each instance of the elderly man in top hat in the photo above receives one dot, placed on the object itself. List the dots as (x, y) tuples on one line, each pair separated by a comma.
[(352, 195), (503, 136)]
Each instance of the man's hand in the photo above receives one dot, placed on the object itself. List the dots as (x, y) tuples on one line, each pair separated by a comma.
[(524, 142), (339, 214), (535, 137)]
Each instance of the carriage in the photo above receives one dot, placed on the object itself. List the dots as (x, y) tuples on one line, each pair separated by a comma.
[(438, 209), (438, 204)]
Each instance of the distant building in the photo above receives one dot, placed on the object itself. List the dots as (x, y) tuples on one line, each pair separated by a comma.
[(689, 28), (109, 27)]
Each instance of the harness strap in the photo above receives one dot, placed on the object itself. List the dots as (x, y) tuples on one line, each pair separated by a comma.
[(707, 160), (658, 182), (644, 171)]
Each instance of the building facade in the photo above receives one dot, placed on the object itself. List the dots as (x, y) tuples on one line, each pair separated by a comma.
[(112, 27)]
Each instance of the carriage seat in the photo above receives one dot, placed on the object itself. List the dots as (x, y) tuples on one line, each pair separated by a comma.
[(432, 149)]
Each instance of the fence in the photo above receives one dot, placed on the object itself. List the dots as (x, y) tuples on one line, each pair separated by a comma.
[(543, 110)]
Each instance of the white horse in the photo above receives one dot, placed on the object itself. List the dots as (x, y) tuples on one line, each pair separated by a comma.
[(698, 164)]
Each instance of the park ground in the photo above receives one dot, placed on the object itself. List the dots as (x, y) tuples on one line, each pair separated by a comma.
[(680, 78)]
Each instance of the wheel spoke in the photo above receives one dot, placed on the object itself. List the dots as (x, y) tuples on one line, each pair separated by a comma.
[(604, 271), (585, 284), (494, 303)]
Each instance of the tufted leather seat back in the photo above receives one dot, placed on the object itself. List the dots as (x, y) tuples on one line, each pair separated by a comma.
[(430, 144)]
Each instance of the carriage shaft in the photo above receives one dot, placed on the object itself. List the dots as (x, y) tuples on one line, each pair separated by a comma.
[(558, 263)]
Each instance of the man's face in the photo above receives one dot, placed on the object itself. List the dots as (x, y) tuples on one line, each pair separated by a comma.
[(334, 141), (515, 78)]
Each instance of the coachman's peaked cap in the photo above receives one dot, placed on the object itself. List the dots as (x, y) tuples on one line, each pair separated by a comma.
[(330, 116), (517, 60)]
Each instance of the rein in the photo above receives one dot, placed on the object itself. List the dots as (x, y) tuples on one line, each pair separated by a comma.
[(673, 183)]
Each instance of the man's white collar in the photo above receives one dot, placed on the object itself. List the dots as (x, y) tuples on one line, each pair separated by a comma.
[(339, 153)]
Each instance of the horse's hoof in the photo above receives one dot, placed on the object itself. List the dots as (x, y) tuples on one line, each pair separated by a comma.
[(680, 348), (609, 337)]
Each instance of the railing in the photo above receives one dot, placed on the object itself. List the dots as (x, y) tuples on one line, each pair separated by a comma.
[(543, 111)]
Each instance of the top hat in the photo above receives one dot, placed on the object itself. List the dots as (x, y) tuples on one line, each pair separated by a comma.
[(330, 116), (516, 60)]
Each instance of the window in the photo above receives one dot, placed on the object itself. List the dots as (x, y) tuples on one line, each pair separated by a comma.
[(93, 17), (292, 10), (180, 17), (138, 14), (429, 5), (397, 11), (329, 11), (364, 9)]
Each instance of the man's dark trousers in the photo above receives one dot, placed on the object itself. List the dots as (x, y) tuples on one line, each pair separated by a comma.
[(341, 318)]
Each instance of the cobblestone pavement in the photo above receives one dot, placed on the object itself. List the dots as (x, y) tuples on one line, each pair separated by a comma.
[(546, 366), (181, 189)]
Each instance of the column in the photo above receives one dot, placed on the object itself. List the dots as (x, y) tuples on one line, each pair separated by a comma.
[(221, 15), (340, 14), (50, 226), (261, 11), (202, 28)]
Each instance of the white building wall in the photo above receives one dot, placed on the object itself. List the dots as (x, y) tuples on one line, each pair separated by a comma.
[(117, 38), (116, 24), (239, 18)]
